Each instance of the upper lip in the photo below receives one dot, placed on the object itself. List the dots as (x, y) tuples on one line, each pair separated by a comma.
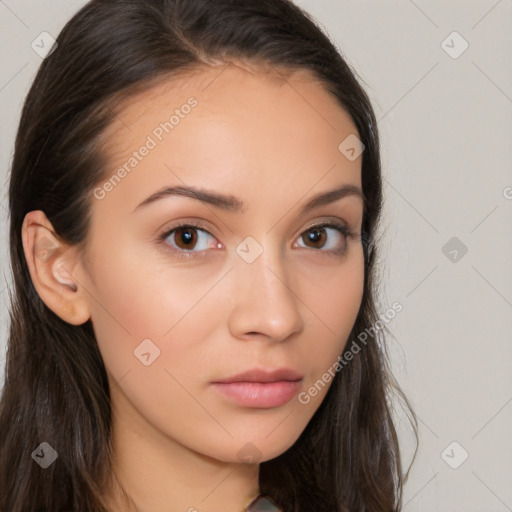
[(262, 375)]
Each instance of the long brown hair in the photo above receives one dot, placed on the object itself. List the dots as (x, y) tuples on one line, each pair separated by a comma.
[(56, 388)]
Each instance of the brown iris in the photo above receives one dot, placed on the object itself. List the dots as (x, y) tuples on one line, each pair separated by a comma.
[(187, 236), (315, 235)]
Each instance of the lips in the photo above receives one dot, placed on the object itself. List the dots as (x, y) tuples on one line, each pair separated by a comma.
[(262, 375), (259, 388)]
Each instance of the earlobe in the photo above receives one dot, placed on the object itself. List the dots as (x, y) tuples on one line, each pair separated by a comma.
[(51, 263)]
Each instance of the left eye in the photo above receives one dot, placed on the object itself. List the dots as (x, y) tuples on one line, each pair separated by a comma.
[(317, 235)]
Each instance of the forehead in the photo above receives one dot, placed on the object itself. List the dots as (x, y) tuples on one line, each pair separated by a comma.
[(231, 92), (232, 127)]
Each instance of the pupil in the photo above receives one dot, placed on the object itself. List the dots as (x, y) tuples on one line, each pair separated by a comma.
[(187, 236), (315, 236)]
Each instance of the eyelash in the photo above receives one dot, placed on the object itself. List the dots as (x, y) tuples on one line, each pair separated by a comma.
[(341, 228)]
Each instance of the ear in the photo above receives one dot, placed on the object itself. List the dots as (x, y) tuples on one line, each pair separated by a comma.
[(52, 264)]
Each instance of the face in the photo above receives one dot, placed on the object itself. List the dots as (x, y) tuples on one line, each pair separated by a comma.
[(188, 290)]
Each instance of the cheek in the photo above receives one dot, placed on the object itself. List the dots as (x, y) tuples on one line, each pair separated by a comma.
[(334, 294), (178, 311), (137, 304), (185, 314), (334, 305), (154, 332)]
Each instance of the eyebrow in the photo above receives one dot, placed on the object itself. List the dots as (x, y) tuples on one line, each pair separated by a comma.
[(235, 205)]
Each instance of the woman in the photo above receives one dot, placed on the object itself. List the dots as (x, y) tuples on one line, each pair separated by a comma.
[(194, 198)]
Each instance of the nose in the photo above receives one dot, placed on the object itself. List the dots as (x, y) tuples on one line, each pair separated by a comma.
[(264, 300)]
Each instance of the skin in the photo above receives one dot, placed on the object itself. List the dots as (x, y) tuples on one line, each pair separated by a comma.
[(273, 144)]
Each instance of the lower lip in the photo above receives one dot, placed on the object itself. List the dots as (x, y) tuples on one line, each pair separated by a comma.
[(259, 394)]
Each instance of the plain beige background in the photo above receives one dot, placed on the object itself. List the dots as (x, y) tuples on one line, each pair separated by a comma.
[(444, 114)]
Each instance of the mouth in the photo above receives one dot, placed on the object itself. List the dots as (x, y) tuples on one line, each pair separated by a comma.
[(259, 388)]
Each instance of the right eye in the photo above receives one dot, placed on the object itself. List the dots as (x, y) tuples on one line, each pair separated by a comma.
[(186, 237)]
